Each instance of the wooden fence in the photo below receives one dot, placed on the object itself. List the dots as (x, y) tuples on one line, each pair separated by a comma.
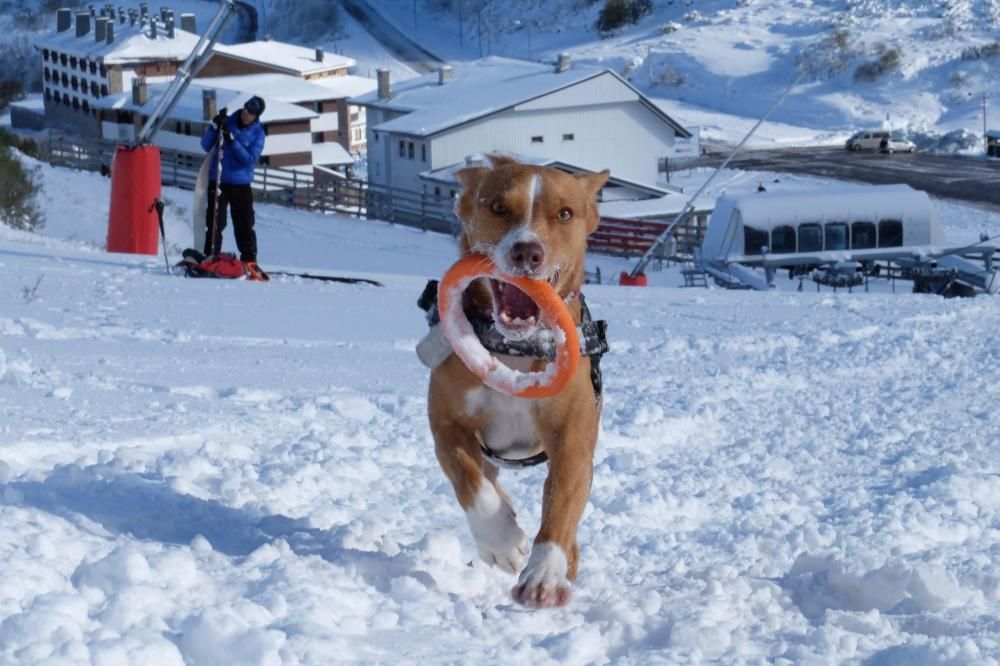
[(326, 191)]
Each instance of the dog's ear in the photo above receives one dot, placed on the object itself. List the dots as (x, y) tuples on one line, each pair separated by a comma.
[(593, 182), (498, 160), (471, 177)]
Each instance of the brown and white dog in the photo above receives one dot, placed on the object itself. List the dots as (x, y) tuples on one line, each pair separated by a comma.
[(532, 221)]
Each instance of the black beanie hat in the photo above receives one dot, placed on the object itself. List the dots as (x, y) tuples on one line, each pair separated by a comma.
[(255, 105)]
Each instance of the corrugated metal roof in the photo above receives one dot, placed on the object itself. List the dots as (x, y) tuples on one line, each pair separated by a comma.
[(478, 89)]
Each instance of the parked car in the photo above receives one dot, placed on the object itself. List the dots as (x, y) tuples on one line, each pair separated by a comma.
[(866, 140), (897, 144)]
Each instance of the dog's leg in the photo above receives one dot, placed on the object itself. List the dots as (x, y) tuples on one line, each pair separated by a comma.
[(492, 519), (555, 555)]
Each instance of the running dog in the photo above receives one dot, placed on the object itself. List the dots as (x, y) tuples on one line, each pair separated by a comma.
[(533, 222)]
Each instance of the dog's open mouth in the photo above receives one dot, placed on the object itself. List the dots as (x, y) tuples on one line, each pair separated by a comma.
[(514, 310), (515, 314)]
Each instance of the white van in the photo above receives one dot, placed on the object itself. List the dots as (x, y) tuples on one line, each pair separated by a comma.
[(867, 140)]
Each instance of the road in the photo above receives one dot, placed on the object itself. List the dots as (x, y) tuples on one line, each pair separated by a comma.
[(961, 178), (392, 39)]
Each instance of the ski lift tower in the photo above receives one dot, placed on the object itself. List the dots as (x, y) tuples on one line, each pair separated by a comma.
[(135, 171)]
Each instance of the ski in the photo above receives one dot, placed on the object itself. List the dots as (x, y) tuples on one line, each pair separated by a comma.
[(193, 260), (330, 278)]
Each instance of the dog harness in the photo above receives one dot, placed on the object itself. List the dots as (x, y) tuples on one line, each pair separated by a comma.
[(542, 346)]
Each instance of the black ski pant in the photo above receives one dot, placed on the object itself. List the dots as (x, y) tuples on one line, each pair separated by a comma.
[(239, 199)]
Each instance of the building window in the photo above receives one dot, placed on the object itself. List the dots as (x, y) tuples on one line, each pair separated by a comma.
[(65, 80), (63, 59), (376, 137), (74, 84), (187, 128), (537, 139), (862, 235), (810, 238), (104, 70), (76, 104), (45, 55), (409, 152), (837, 237), (48, 94), (93, 68), (72, 62), (86, 106), (318, 137), (783, 239), (423, 152), (83, 65), (754, 240), (568, 137), (402, 149), (93, 88), (890, 233), (48, 74), (65, 99), (104, 91), (437, 191)]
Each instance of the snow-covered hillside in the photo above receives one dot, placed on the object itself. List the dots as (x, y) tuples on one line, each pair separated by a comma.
[(216, 472), (737, 56)]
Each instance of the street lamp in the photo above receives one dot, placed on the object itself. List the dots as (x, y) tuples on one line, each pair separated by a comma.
[(526, 25)]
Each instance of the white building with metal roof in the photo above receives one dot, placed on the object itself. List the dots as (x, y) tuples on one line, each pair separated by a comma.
[(586, 117), (92, 55)]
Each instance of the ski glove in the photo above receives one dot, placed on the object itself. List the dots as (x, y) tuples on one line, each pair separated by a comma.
[(220, 120)]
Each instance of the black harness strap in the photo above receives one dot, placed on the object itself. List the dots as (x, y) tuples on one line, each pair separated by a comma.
[(593, 343)]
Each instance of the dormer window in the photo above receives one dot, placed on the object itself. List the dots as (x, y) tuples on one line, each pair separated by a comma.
[(537, 139)]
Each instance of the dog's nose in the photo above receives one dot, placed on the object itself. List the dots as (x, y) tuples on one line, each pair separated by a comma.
[(527, 255)]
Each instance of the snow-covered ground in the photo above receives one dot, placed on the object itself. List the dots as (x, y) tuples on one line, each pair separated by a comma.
[(216, 472)]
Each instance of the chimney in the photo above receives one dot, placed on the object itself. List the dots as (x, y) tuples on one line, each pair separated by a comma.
[(384, 92), (100, 33), (143, 10), (209, 105), (163, 14), (170, 27), (64, 19), (109, 31), (563, 64), (319, 54), (93, 13), (188, 22), (152, 29), (121, 15), (140, 93), (82, 23), (133, 17), (444, 74)]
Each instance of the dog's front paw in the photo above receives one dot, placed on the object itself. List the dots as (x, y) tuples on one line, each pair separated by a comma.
[(499, 539), (543, 582)]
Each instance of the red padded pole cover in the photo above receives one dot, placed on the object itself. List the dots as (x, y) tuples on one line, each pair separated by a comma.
[(135, 185), (626, 280)]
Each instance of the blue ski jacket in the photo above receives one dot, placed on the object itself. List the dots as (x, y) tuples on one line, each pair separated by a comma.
[(239, 155)]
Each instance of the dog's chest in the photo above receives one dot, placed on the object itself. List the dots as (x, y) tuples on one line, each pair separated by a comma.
[(508, 423)]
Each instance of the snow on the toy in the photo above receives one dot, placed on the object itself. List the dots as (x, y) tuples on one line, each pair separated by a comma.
[(489, 368)]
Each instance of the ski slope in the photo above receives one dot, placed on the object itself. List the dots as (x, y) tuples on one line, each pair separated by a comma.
[(217, 472)]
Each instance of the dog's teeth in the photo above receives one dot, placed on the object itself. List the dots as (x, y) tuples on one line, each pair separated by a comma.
[(532, 320), (505, 317)]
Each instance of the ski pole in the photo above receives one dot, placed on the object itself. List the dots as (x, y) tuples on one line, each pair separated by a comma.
[(158, 205)]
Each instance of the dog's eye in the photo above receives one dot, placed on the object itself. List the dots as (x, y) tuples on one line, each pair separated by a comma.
[(498, 208), (565, 215)]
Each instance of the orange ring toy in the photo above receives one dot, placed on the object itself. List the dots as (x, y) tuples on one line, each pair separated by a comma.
[(482, 363)]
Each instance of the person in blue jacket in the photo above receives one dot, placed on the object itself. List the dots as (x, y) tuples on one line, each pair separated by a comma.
[(242, 144)]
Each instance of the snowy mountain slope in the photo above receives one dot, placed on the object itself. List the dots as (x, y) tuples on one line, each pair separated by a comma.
[(737, 56), (215, 472)]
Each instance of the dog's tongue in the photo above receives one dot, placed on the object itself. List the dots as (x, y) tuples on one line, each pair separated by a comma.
[(516, 303)]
